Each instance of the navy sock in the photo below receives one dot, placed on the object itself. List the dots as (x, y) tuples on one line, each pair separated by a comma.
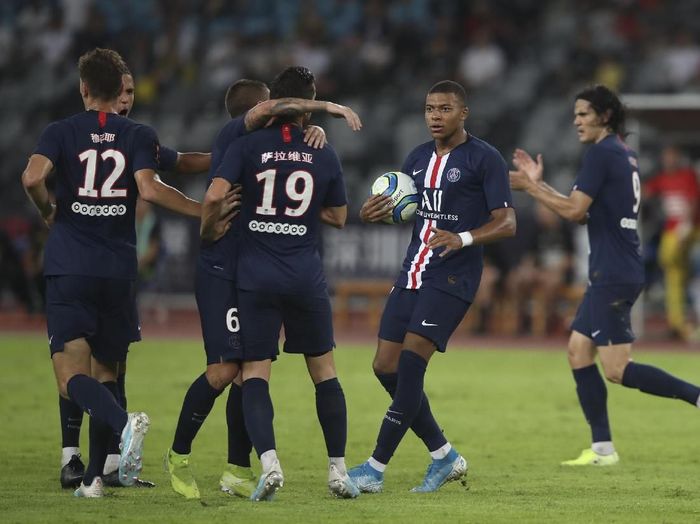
[(97, 401), (259, 413), (657, 382), (404, 408), (196, 406), (113, 448), (593, 397), (332, 415), (121, 386), (239, 444), (71, 420), (100, 435), (424, 425)]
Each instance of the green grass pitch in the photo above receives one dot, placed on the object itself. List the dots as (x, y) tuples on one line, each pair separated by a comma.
[(513, 414)]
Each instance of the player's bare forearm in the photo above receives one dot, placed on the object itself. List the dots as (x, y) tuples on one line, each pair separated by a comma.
[(503, 224), (191, 163), (259, 115), (34, 183), (154, 190), (573, 207), (220, 205)]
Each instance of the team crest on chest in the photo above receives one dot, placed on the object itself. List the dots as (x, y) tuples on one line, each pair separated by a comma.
[(453, 175)]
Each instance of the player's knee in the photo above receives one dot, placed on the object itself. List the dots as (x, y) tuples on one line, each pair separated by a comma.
[(614, 374), (221, 375), (382, 366)]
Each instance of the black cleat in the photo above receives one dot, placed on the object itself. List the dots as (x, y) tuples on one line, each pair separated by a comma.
[(72, 473), (112, 480)]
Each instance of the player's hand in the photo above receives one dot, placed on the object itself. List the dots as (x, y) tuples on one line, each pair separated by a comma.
[(525, 163), (519, 181), (315, 137), (376, 208), (345, 112), (447, 239), (222, 226), (232, 202)]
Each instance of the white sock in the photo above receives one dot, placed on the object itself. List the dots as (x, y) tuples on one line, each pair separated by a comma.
[(603, 448), (441, 452), (697, 402), (376, 464), (267, 459), (339, 463), (111, 464), (67, 453)]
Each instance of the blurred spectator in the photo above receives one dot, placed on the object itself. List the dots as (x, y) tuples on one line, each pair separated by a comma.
[(148, 243), (483, 62), (676, 186)]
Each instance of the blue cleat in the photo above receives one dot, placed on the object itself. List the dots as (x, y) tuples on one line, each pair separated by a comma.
[(340, 484), (268, 484), (366, 478), (131, 458), (441, 471)]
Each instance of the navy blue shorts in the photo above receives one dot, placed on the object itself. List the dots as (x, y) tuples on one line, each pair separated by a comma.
[(307, 321), (100, 310), (604, 314), (426, 311), (217, 301)]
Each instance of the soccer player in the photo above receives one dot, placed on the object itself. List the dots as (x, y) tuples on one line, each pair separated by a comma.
[(289, 189), (71, 415), (606, 194), (216, 298), (101, 161), (465, 202)]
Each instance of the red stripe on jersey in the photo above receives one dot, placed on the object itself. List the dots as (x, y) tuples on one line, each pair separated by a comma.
[(426, 236), (286, 133), (102, 118)]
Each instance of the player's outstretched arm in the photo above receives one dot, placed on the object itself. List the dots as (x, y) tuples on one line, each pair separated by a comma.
[(259, 115), (155, 191), (221, 203), (501, 225), (34, 183), (376, 208), (191, 163), (334, 216)]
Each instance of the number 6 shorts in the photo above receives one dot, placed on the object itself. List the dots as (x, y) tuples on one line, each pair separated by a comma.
[(217, 302)]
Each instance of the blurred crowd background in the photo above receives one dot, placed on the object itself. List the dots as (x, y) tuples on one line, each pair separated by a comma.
[(520, 60)]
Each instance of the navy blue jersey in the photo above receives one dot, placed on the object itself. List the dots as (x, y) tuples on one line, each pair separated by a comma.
[(167, 161), (458, 191), (285, 185), (610, 176), (219, 258), (95, 156)]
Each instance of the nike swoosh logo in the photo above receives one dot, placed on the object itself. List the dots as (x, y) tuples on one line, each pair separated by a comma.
[(595, 333), (426, 324), (415, 172), (50, 339)]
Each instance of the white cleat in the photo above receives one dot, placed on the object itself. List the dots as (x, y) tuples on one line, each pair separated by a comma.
[(131, 458), (93, 491), (269, 483), (340, 484)]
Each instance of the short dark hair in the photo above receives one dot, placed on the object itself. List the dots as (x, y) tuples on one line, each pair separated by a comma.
[(450, 86), (295, 81), (101, 70), (603, 100), (244, 94)]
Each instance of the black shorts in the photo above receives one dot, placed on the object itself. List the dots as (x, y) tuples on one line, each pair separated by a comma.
[(604, 314), (100, 310), (426, 311), (307, 321), (217, 301)]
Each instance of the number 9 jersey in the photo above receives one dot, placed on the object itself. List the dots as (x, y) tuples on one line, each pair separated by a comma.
[(95, 155), (610, 176)]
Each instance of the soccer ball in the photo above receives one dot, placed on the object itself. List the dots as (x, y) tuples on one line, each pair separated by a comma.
[(404, 196)]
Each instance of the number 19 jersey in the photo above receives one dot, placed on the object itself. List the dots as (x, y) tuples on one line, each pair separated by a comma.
[(95, 155)]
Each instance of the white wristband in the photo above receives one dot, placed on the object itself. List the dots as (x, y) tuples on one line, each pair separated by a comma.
[(467, 238)]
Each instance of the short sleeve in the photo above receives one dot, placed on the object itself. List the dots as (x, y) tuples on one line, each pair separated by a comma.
[(336, 195), (49, 144), (592, 173), (496, 182), (167, 160), (231, 166), (146, 149)]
